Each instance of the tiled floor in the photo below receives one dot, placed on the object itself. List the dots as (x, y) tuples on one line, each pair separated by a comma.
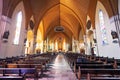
[(60, 70)]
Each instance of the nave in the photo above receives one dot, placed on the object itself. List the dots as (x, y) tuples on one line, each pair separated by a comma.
[(59, 39)]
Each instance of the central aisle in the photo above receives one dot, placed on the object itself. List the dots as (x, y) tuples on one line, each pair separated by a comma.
[(60, 70)]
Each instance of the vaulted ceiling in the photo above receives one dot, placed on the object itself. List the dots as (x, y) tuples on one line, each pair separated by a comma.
[(70, 14)]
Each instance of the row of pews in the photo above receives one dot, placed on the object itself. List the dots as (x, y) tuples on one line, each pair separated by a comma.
[(22, 67), (87, 67)]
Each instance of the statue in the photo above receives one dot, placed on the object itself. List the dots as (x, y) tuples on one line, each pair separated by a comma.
[(6, 35), (114, 34)]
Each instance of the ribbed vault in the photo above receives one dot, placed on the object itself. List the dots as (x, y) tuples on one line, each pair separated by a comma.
[(70, 14)]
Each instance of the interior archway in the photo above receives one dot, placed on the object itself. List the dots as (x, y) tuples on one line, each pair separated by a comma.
[(65, 17)]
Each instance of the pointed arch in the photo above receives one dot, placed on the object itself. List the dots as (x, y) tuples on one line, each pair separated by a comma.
[(17, 31), (18, 27), (101, 36), (102, 20), (102, 27)]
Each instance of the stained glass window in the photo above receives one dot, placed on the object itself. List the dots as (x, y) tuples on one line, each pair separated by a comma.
[(102, 28), (18, 27)]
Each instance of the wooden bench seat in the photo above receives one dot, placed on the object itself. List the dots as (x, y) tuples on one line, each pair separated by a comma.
[(105, 78), (17, 71), (101, 71), (23, 65), (94, 66), (98, 73), (11, 78), (39, 67), (89, 62)]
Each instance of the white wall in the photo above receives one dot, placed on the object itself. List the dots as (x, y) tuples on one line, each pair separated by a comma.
[(1, 27), (9, 49), (1, 5), (112, 49), (119, 6)]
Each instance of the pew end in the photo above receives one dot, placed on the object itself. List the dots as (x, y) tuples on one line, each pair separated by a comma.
[(79, 74), (115, 64), (74, 67), (88, 76)]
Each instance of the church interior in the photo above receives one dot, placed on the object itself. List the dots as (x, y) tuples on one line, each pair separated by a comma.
[(59, 39)]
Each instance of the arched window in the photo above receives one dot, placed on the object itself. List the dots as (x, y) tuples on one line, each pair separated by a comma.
[(18, 27), (102, 28)]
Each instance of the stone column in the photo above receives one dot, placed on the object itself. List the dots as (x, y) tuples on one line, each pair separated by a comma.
[(34, 44), (45, 46), (72, 44), (86, 45)]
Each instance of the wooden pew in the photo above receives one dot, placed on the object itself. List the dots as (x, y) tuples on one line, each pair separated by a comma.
[(98, 73), (95, 70), (11, 78), (89, 62), (95, 66), (18, 72), (37, 61), (101, 71), (39, 67), (91, 65), (23, 65), (105, 78)]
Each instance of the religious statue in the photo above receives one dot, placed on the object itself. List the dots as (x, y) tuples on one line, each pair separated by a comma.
[(6, 35), (114, 34)]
